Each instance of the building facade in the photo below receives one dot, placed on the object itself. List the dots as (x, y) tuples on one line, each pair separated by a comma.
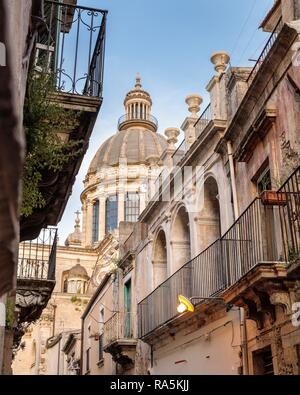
[(221, 229), (34, 38), (215, 221), (115, 190)]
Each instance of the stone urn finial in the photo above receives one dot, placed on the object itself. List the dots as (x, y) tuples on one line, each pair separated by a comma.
[(153, 160), (172, 134), (194, 102), (220, 60)]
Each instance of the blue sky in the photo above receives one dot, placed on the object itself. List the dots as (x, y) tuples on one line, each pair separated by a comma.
[(169, 42)]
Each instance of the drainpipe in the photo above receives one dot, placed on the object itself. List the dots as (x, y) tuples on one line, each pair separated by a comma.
[(232, 178), (58, 357), (244, 341), (81, 346), (2, 328), (54, 318)]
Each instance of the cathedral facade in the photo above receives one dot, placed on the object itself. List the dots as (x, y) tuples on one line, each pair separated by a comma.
[(116, 189)]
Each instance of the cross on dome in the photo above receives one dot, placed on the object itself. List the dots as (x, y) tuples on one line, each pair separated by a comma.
[(138, 84)]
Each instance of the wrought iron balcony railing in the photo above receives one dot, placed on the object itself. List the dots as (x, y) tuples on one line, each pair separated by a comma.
[(129, 118), (265, 51), (118, 327), (203, 120), (290, 217), (263, 233), (178, 154), (37, 258), (72, 47)]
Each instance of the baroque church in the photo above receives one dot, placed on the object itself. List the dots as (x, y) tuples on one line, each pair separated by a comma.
[(117, 187)]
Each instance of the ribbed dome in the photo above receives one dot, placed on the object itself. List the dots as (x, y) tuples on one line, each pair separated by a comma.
[(78, 271), (135, 144)]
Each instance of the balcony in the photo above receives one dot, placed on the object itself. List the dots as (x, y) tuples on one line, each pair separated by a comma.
[(35, 275), (146, 120), (260, 245), (265, 51), (119, 338), (71, 47)]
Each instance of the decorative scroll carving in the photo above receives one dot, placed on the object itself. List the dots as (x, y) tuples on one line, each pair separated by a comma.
[(281, 298)]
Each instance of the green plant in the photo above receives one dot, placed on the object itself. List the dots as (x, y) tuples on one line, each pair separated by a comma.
[(75, 299), (46, 153), (10, 313), (266, 182), (114, 264), (294, 254)]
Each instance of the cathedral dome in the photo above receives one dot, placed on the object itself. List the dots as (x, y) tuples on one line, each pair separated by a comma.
[(137, 139), (134, 144)]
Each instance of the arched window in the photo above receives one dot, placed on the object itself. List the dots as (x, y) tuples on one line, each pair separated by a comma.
[(141, 111), (96, 221), (136, 110), (132, 207), (111, 213)]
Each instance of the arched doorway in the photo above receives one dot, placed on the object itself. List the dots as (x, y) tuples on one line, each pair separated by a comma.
[(160, 265), (181, 241), (209, 223)]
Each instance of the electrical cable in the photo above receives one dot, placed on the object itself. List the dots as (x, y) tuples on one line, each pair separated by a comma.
[(243, 28)]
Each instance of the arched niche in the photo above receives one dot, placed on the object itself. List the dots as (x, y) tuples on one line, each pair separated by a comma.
[(209, 221), (159, 261), (181, 240)]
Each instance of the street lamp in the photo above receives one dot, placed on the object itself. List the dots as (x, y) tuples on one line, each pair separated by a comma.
[(186, 304)]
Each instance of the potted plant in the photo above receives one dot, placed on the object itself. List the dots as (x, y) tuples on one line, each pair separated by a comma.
[(269, 196), (273, 198)]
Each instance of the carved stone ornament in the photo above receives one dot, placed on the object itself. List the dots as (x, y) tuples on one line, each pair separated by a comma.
[(282, 299)]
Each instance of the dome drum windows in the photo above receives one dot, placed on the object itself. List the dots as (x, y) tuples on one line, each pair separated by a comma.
[(132, 207), (75, 280), (96, 221), (111, 213), (77, 286)]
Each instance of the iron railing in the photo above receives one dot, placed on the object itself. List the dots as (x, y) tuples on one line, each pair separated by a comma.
[(200, 125), (145, 117), (118, 327), (72, 48), (203, 120), (250, 240), (265, 51), (37, 258), (178, 154), (290, 216)]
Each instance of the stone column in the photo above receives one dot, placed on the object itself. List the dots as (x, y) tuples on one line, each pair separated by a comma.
[(217, 86), (121, 208), (89, 223), (194, 102), (102, 217), (84, 214)]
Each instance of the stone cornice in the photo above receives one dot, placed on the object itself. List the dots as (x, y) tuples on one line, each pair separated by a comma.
[(277, 55)]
